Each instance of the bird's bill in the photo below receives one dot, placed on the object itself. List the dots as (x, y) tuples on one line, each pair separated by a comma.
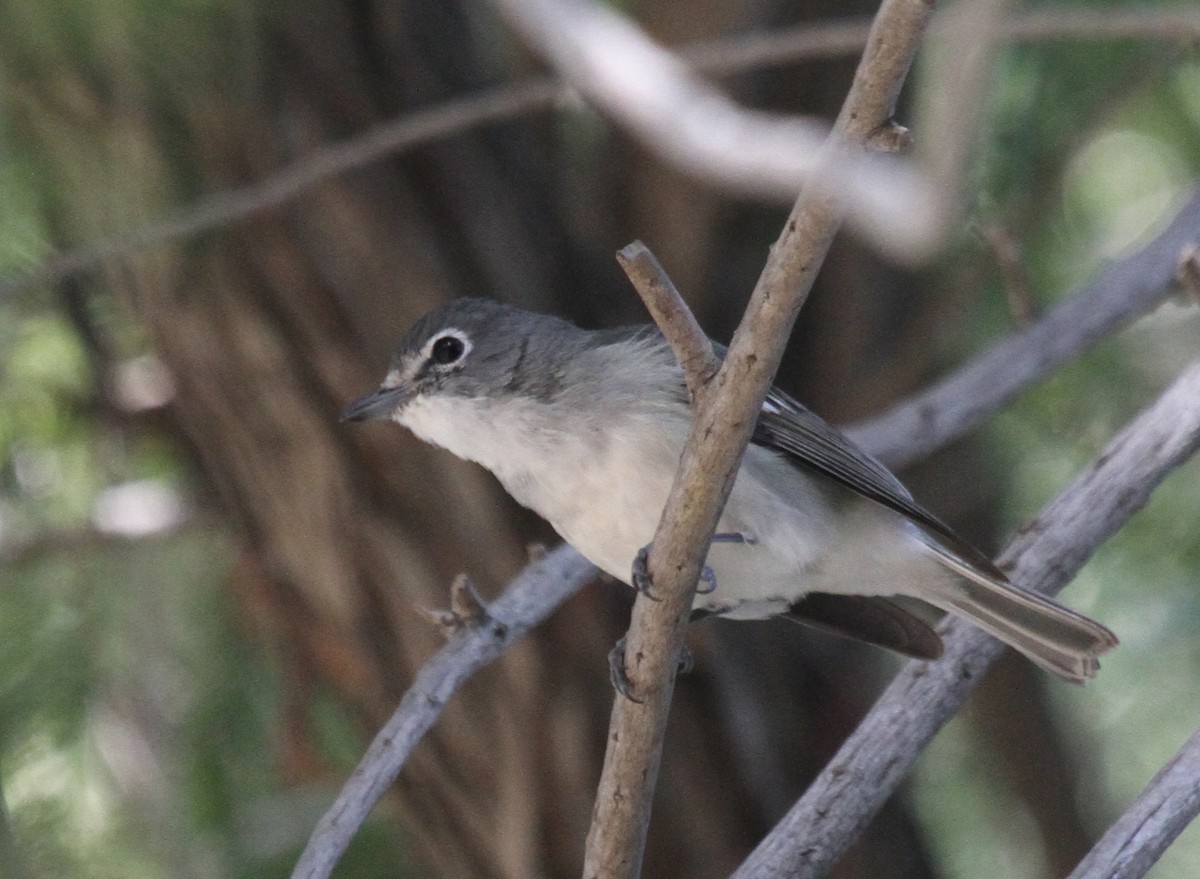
[(378, 406)]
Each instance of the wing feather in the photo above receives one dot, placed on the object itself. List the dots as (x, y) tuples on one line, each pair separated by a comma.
[(787, 427)]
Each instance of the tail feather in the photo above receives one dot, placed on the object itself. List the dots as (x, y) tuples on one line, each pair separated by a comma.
[(1058, 639)]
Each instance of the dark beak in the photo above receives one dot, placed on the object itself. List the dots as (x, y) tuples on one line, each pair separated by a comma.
[(378, 406)]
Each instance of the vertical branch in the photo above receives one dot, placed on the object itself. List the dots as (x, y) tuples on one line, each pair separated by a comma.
[(722, 423)]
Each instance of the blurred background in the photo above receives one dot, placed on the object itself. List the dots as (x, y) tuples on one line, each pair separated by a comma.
[(210, 591)]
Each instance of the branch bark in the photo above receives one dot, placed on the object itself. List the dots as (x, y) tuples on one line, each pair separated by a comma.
[(1160, 813), (721, 428), (1044, 556), (540, 588)]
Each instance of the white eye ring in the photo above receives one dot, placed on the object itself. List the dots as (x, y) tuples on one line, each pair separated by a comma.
[(448, 347)]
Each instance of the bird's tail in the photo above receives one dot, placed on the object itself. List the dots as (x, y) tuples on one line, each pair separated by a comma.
[(1058, 639)]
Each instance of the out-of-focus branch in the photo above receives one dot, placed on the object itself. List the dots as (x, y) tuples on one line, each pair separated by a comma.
[(717, 57), (1044, 556), (722, 421), (231, 205), (530, 598), (848, 36), (945, 411), (688, 123), (1160, 813)]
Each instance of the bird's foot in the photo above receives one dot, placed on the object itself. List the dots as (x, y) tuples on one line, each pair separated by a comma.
[(641, 579), (620, 677), (708, 581)]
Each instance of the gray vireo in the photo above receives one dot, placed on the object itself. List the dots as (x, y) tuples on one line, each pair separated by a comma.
[(586, 428)]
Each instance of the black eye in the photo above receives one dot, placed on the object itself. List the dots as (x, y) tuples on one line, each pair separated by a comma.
[(447, 349)]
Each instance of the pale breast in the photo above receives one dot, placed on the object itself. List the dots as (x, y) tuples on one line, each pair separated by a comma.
[(603, 488)]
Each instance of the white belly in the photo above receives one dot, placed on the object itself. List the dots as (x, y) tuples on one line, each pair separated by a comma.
[(603, 488)]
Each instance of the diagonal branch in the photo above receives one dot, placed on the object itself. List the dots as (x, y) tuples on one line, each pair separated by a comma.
[(945, 411), (1044, 556), (693, 126), (531, 597), (1124, 292), (1161, 811)]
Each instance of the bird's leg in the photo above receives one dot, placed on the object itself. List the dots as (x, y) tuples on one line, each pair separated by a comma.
[(643, 582), (620, 677), (708, 580)]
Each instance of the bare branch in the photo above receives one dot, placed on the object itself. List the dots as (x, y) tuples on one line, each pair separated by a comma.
[(1044, 556), (653, 95), (692, 348), (531, 597), (721, 428), (1160, 813), (1124, 291), (848, 36), (1169, 24), (233, 205)]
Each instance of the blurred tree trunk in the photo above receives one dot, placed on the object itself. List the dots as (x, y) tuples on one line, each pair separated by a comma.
[(270, 327)]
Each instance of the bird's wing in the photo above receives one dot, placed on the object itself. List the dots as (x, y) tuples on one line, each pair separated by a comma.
[(787, 427), (872, 619)]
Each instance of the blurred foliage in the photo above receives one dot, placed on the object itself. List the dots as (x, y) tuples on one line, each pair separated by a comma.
[(139, 730), (1092, 147)]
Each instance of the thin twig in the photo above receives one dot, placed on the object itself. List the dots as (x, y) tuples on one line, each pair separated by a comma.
[(232, 205), (1022, 304), (1161, 811), (944, 411), (531, 597), (721, 428), (1044, 556), (692, 348)]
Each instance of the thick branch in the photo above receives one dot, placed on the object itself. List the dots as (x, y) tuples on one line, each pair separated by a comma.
[(533, 595), (1160, 813), (1044, 556), (945, 411)]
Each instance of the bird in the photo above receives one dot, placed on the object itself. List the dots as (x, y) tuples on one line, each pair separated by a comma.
[(586, 428)]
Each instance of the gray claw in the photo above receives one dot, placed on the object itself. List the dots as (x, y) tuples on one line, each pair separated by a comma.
[(686, 661), (620, 678), (641, 578), (708, 581), (617, 674)]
